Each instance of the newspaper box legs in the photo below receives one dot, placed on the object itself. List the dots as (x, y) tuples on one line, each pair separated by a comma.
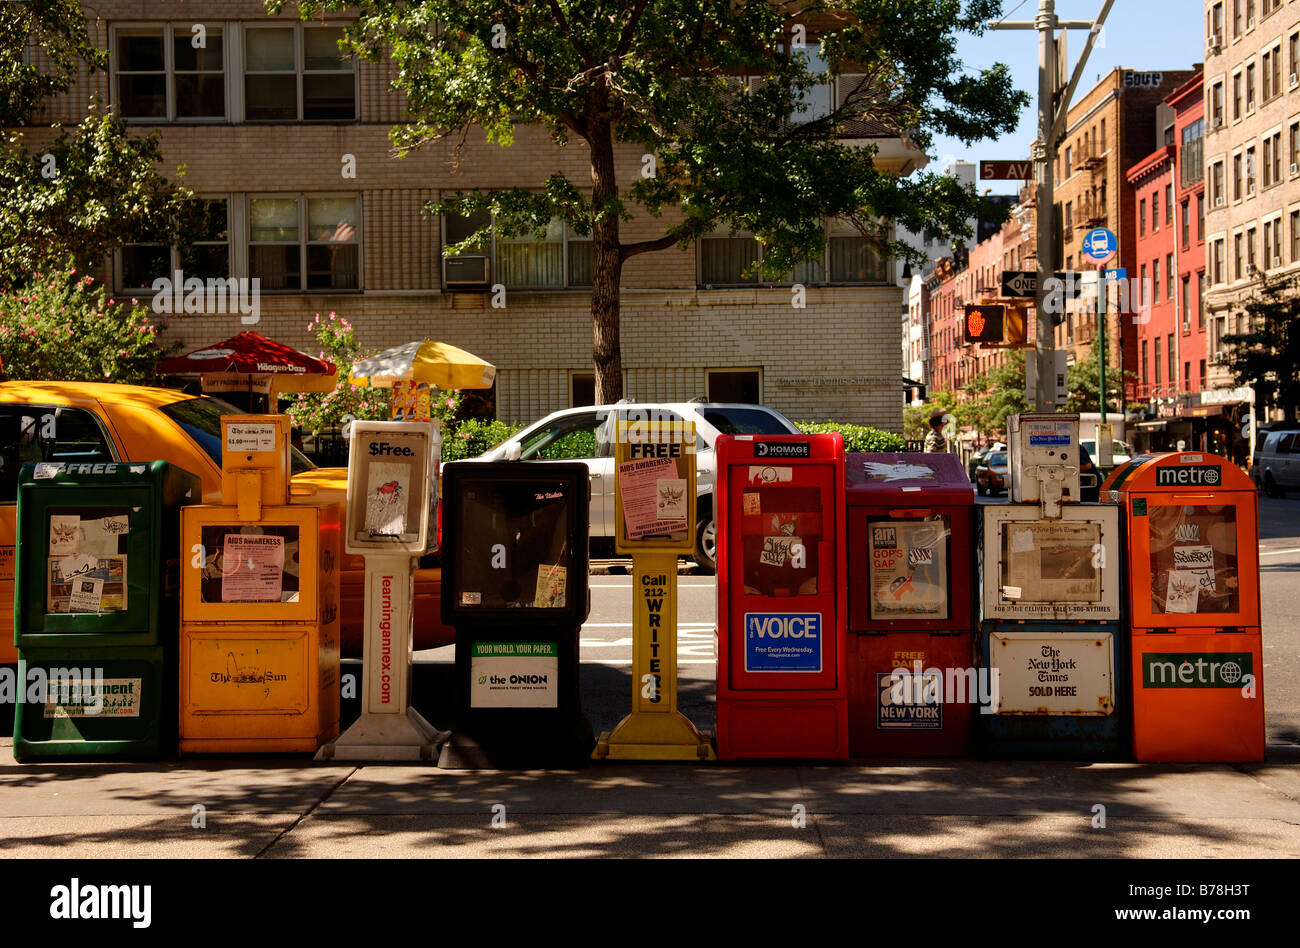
[(392, 467), (1192, 537), (782, 689)]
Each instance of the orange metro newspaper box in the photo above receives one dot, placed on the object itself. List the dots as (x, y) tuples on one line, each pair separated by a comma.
[(259, 606), (1192, 537)]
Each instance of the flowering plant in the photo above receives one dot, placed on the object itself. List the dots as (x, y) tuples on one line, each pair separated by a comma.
[(63, 326)]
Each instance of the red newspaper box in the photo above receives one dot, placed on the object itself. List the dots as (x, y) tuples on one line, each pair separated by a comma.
[(1192, 538), (911, 613), (781, 597)]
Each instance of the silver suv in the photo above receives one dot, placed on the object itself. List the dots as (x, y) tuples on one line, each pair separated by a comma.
[(584, 434), (1275, 468)]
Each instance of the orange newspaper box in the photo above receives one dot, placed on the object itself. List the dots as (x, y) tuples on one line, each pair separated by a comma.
[(1191, 530), (259, 606)]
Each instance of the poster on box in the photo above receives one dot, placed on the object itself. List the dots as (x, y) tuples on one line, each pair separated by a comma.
[(639, 486), (67, 576), (515, 675), (388, 485), (550, 587), (252, 568), (909, 569), (93, 698), (411, 401)]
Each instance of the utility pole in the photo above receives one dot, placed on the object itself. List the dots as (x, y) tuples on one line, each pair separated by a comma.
[(1051, 127)]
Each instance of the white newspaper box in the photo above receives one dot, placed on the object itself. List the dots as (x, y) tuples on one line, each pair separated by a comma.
[(389, 503), (1043, 457)]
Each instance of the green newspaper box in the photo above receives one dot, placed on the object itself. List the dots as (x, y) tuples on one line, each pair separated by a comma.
[(96, 619)]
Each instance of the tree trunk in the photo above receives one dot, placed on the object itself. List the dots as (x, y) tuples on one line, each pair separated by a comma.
[(607, 269)]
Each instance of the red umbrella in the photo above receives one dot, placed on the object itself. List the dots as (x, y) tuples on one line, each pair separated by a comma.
[(248, 357)]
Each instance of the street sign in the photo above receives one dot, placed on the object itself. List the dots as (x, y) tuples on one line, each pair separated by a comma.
[(1024, 283), (1006, 170), (1115, 273), (1099, 245)]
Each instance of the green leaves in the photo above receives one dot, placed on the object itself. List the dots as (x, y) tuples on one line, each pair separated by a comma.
[(98, 189), (61, 325), (57, 28), (1267, 356)]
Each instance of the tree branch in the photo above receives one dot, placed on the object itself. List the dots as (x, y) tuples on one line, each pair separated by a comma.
[(647, 246)]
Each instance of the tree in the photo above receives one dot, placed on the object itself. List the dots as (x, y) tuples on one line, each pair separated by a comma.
[(662, 77), (1002, 391), (89, 190), (1084, 382), (1268, 356)]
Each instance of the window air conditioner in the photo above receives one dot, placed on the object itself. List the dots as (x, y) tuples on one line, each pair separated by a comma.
[(1250, 23), (1294, 80), (466, 270), (1218, 121), (1277, 261), (1218, 201), (1218, 358), (1295, 168), (1214, 45)]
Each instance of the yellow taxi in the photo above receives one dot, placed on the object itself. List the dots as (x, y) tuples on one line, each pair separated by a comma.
[(100, 422)]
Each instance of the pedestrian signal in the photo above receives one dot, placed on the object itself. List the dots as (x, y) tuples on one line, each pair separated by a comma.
[(984, 323)]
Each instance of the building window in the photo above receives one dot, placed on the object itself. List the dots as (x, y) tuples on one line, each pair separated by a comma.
[(1236, 178), (1295, 236), (1142, 288), (1157, 362), (1293, 147), (1169, 205), (734, 385), (1185, 213), (1273, 159), (1293, 58), (1274, 70), (1069, 216), (1173, 366), (1142, 217), (1201, 378), (1155, 211), (1216, 105), (1214, 26), (1200, 216), (1236, 256), (1252, 170), (1193, 153), (1155, 281), (1250, 88), (304, 243), (1169, 276), (1187, 304), (296, 73), (1069, 160), (582, 389), (208, 257), (1145, 374), (1236, 97), (1200, 302), (160, 74)]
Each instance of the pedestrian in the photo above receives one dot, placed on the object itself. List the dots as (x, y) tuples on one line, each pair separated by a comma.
[(935, 442)]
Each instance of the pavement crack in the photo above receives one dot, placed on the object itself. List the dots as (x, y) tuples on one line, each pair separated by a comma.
[(329, 792)]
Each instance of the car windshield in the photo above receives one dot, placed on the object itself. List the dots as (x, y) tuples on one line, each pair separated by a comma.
[(200, 418), (997, 459), (737, 421)]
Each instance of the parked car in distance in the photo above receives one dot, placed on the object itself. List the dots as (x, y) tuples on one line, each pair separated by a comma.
[(1121, 452), (979, 455), (586, 434), (104, 422), (1275, 465), (991, 473)]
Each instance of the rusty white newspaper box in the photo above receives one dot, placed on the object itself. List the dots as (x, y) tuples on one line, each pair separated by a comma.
[(1043, 457)]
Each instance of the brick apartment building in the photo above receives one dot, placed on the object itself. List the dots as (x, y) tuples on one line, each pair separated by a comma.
[(289, 142), (1252, 158)]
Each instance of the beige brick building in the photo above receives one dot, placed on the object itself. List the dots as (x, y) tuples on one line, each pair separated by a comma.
[(291, 143), (1252, 158)]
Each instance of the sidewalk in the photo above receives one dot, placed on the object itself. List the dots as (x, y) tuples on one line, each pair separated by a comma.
[(281, 807)]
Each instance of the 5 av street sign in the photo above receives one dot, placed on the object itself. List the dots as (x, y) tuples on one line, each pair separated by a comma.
[(1006, 170)]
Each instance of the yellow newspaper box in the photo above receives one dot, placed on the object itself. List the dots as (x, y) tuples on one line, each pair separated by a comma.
[(259, 606)]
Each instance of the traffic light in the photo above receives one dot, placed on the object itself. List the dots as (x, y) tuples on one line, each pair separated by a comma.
[(985, 322)]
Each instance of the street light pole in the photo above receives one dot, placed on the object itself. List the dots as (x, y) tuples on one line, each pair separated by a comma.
[(1051, 122)]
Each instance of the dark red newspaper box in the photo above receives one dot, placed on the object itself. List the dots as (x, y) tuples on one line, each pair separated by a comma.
[(781, 597), (911, 566)]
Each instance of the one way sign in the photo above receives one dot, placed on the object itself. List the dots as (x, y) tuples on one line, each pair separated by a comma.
[(1024, 283)]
